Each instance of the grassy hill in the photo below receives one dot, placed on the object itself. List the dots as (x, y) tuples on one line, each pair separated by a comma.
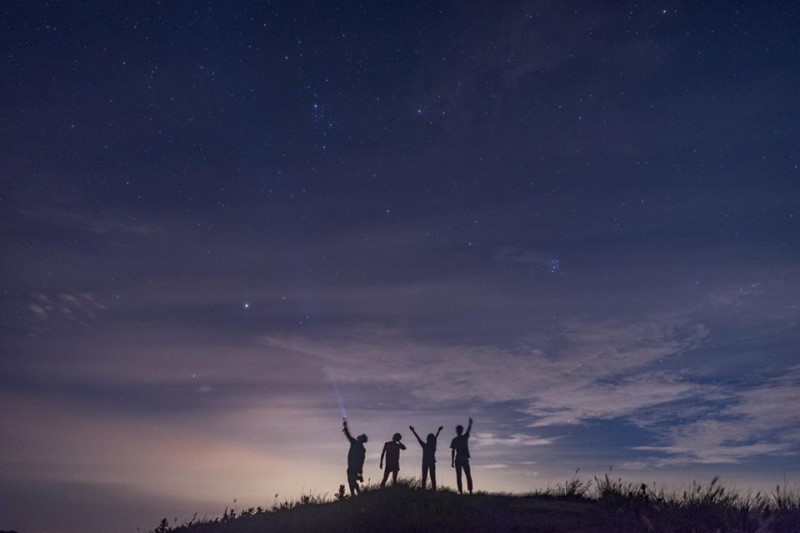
[(603, 505)]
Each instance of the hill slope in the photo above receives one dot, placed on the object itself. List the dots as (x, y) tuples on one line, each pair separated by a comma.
[(404, 508)]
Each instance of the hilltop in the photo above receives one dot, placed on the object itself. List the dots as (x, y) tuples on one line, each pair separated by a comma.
[(604, 506)]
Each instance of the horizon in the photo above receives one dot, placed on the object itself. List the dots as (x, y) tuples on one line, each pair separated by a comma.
[(228, 226)]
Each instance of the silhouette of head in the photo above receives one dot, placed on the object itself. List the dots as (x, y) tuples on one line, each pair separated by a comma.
[(396, 437), (459, 429), (431, 437), (361, 438)]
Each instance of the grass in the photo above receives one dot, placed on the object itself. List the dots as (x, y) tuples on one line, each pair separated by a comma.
[(602, 505)]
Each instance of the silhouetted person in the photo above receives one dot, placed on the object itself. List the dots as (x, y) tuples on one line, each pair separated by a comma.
[(355, 459), (428, 456), (391, 450), (459, 456)]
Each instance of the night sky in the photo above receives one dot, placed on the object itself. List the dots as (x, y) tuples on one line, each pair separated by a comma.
[(225, 225)]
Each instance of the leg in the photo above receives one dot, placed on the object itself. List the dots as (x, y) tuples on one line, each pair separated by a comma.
[(385, 476), (458, 477), (424, 475), (394, 477), (432, 468), (469, 476), (352, 482)]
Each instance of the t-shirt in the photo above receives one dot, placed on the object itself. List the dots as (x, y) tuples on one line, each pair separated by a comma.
[(355, 457), (459, 444), (392, 450)]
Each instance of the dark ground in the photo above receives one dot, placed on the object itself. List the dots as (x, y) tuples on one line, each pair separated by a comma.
[(407, 509)]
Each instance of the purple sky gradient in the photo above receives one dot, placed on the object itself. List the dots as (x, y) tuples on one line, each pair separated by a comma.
[(226, 223)]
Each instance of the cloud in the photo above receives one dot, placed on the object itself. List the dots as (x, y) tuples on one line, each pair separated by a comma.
[(66, 305), (98, 222), (593, 370), (515, 440), (494, 466), (38, 310), (573, 405), (756, 421), (537, 259), (581, 372)]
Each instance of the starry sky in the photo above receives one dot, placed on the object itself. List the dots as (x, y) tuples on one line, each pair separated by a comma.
[(225, 225)]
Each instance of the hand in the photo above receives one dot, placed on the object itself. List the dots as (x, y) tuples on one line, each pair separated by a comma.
[(470, 420), (411, 428), (441, 428), (452, 465), (380, 466)]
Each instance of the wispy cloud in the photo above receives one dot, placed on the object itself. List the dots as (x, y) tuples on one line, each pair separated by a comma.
[(588, 361), (592, 371), (517, 439), (755, 422), (100, 221), (66, 305)]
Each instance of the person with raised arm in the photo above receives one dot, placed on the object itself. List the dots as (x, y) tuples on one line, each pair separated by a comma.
[(459, 456), (428, 456), (355, 459)]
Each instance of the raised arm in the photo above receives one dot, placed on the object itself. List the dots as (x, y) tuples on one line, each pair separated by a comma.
[(438, 431), (421, 443), (347, 432), (468, 427)]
